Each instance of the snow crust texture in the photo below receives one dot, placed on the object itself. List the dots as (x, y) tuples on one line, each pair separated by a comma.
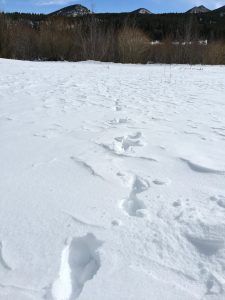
[(112, 181)]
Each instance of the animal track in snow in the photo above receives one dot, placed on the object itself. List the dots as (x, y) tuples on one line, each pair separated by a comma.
[(140, 185), (133, 206), (117, 106), (118, 121), (116, 223), (111, 150), (123, 144), (177, 203), (80, 262), (220, 200), (213, 286)]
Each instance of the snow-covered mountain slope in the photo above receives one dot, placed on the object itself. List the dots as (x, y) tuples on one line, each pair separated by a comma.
[(112, 181), (198, 10), (72, 11), (142, 11)]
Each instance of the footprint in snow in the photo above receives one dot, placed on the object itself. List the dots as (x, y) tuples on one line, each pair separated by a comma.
[(80, 262), (123, 144), (214, 286), (133, 206)]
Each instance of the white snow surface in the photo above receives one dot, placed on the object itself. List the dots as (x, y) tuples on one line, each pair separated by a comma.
[(112, 181)]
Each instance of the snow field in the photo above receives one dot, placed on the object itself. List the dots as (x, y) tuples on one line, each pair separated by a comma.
[(112, 181)]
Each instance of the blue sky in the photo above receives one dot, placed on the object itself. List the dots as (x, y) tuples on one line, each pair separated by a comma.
[(45, 6)]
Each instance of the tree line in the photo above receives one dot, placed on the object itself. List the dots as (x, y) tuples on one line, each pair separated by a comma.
[(172, 38)]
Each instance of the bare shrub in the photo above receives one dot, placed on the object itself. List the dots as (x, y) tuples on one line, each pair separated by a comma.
[(133, 45), (55, 41), (89, 38), (97, 42), (4, 40), (215, 54)]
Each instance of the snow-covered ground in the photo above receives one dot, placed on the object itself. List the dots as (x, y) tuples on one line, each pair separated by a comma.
[(112, 182)]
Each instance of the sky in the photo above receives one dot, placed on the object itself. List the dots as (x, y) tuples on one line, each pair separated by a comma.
[(156, 6)]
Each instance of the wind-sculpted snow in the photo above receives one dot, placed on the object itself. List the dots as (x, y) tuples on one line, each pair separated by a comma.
[(202, 169), (2, 260), (112, 181)]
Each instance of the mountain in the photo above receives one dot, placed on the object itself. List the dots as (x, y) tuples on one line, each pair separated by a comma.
[(142, 11), (198, 10), (72, 11), (80, 10), (220, 10)]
